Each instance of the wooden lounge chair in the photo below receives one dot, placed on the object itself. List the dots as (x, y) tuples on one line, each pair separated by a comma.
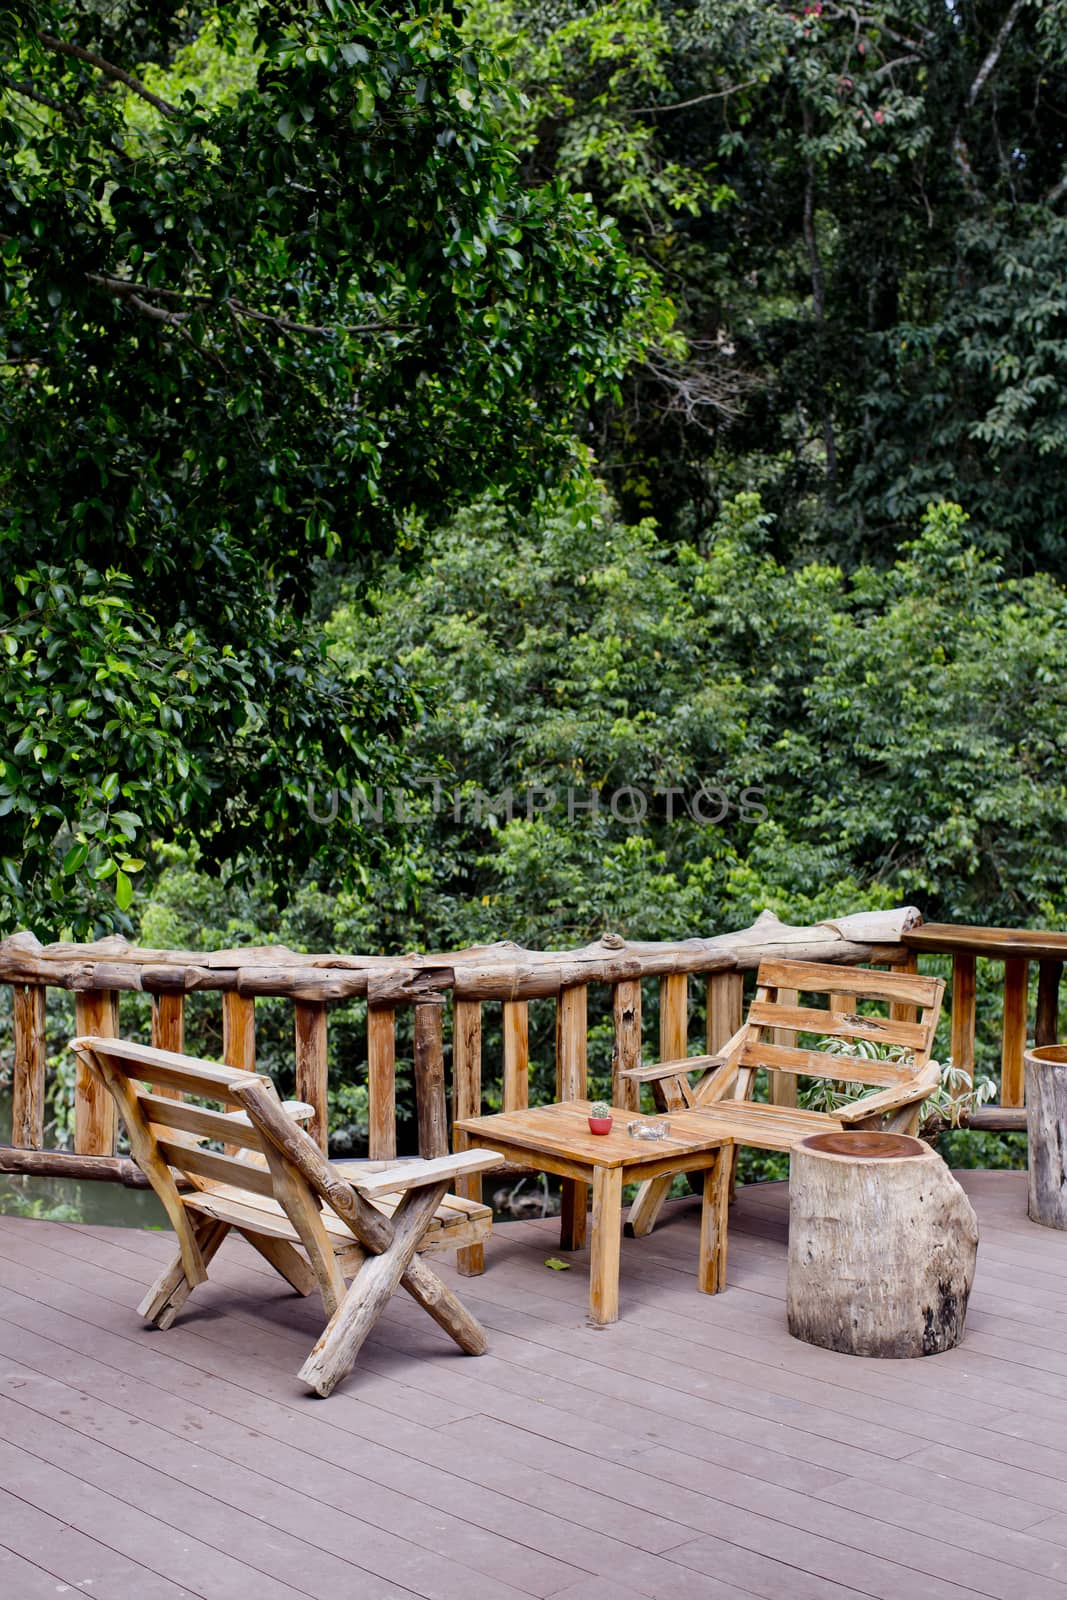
[(370, 1225), (720, 1100)]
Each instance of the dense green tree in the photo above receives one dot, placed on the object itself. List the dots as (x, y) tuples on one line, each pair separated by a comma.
[(897, 733), (254, 319), (858, 213)]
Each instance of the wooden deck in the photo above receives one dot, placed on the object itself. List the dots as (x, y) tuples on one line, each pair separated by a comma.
[(691, 1452)]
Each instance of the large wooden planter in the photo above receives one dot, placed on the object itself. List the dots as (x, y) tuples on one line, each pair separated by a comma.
[(882, 1246), (1045, 1071)]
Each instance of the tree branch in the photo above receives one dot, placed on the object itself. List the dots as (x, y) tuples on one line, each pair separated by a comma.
[(993, 56), (877, 23), (1057, 192), (136, 293), (109, 70), (959, 146), (697, 100), (157, 313), (28, 92)]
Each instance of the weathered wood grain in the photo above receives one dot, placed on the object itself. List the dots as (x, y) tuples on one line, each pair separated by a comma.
[(27, 1082), (312, 1056), (1013, 1038), (96, 1012), (381, 1081), (1046, 1127), (467, 1102), (626, 1056), (431, 1104), (882, 1246)]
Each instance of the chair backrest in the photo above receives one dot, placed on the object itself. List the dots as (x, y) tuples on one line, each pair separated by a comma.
[(164, 1130), (909, 1007)]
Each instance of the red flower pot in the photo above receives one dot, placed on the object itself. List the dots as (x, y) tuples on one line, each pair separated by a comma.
[(600, 1124)]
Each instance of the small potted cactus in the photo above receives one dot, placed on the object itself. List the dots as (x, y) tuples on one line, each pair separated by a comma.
[(600, 1117)]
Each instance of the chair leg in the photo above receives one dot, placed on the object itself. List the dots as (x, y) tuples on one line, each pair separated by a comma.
[(906, 1120), (172, 1288), (334, 1354), (286, 1261), (648, 1203), (711, 1270), (447, 1309)]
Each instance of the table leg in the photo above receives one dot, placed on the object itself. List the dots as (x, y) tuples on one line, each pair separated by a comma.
[(711, 1272), (470, 1261), (604, 1255), (573, 1204)]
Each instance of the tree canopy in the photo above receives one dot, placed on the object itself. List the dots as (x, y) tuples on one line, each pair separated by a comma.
[(858, 213), (252, 325)]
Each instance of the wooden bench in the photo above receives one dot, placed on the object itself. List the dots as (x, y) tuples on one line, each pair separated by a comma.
[(315, 1223), (720, 1102)]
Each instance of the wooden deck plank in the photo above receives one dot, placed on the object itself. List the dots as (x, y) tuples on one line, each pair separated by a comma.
[(143, 1539), (692, 1450), (305, 1534), (56, 1558)]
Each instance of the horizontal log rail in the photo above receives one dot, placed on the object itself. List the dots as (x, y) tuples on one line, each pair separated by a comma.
[(1015, 949), (466, 980)]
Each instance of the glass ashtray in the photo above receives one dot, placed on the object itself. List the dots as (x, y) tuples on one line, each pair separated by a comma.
[(648, 1128)]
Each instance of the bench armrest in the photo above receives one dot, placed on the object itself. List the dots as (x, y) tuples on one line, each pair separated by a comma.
[(674, 1069), (671, 1069), (417, 1174), (901, 1094)]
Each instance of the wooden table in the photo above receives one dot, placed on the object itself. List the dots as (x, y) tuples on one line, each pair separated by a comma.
[(556, 1139)]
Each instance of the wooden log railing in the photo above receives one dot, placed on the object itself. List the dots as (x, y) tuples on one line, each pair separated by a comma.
[(468, 980), (1015, 949)]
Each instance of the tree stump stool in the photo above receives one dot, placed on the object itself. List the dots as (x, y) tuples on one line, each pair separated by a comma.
[(1046, 1127), (882, 1246)]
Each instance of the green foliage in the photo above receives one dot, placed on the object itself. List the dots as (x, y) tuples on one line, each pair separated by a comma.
[(856, 212), (255, 316), (902, 730)]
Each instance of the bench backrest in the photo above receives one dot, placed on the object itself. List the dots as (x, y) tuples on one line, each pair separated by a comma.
[(909, 1007)]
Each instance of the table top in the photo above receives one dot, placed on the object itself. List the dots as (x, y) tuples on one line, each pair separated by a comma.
[(563, 1130)]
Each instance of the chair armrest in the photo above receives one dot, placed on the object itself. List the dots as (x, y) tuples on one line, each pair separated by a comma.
[(671, 1069), (299, 1110), (901, 1094), (417, 1174)]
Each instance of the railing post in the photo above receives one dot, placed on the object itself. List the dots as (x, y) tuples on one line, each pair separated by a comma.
[(626, 1008), (571, 1070), (1047, 1027), (467, 1102), (673, 1036), (430, 1103), (783, 1085), (168, 1032), (381, 1081), (312, 1054), (516, 1024), (1016, 973), (964, 972), (239, 1031), (898, 1012), (673, 1017), (27, 1097), (96, 1013), (726, 999), (238, 1038)]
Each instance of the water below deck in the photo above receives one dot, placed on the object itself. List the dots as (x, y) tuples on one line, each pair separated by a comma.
[(691, 1452)]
